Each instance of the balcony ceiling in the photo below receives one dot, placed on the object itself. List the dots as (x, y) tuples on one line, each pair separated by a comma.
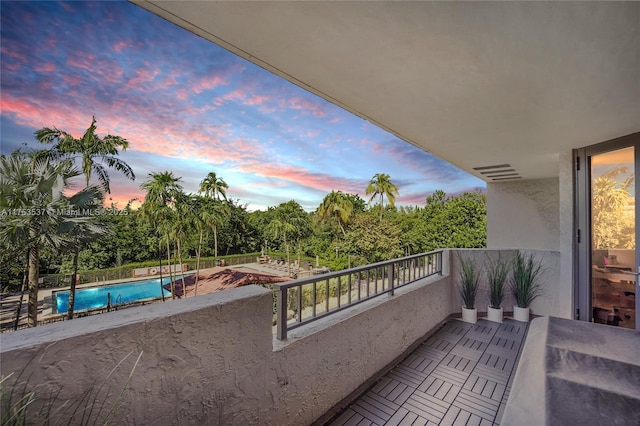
[(477, 84)]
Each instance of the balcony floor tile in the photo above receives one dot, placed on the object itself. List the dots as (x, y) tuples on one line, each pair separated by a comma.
[(460, 376)]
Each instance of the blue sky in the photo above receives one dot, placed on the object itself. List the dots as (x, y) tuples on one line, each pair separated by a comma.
[(190, 107)]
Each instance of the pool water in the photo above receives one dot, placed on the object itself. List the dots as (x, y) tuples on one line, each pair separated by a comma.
[(96, 297)]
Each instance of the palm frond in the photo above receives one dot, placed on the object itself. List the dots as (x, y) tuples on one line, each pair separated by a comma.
[(103, 176), (119, 165)]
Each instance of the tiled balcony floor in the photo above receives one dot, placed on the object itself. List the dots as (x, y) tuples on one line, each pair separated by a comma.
[(460, 376)]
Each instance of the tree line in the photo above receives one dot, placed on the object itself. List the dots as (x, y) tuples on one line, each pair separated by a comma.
[(171, 224)]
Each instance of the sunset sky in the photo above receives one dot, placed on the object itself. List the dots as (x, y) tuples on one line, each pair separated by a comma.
[(190, 107)]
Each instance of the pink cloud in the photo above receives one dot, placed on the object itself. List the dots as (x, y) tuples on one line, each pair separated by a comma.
[(46, 67), (86, 61), (169, 138), (197, 111), (182, 94), (71, 80), (412, 199), (11, 67), (307, 106), (257, 100), (376, 147), (172, 79), (45, 85), (243, 96), (160, 132), (143, 76), (120, 199), (235, 95), (208, 83), (172, 138), (300, 176), (107, 73), (119, 46), (13, 54), (22, 110)]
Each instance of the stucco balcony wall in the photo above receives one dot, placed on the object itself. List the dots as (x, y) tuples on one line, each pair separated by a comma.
[(214, 360)]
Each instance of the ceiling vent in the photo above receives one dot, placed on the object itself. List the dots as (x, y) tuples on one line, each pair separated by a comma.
[(498, 172)]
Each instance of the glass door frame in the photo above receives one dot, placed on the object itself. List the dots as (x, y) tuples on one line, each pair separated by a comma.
[(582, 220)]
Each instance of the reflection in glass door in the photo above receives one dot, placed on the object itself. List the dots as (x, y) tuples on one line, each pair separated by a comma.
[(613, 238)]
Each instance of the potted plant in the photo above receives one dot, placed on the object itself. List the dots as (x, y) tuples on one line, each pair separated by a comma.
[(468, 288), (497, 272), (525, 284)]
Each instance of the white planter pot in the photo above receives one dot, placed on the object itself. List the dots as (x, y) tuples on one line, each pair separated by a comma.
[(521, 314), (494, 314), (469, 315)]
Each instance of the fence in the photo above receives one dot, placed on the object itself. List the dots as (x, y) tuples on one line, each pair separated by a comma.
[(308, 299), (124, 272)]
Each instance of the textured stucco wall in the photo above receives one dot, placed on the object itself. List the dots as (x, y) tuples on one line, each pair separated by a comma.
[(552, 302), (565, 294), (204, 358), (213, 359), (536, 216), (523, 214)]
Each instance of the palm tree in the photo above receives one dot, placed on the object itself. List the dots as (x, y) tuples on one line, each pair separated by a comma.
[(290, 222), (14, 177), (215, 188), (181, 227), (381, 185), (194, 212), (336, 205), (162, 188), (158, 208), (32, 186), (214, 214), (82, 232), (90, 147)]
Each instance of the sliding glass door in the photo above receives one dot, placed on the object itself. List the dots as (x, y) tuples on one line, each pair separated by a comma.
[(608, 232)]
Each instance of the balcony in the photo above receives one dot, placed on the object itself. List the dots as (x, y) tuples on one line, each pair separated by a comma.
[(217, 359), (461, 375)]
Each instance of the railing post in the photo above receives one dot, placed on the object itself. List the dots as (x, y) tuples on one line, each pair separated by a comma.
[(439, 261), (391, 276), (281, 308)]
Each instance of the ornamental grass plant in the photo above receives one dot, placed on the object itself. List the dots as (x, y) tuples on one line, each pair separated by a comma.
[(21, 403), (525, 285), (497, 274), (469, 274)]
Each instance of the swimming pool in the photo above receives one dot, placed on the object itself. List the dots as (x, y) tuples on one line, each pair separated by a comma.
[(96, 297)]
